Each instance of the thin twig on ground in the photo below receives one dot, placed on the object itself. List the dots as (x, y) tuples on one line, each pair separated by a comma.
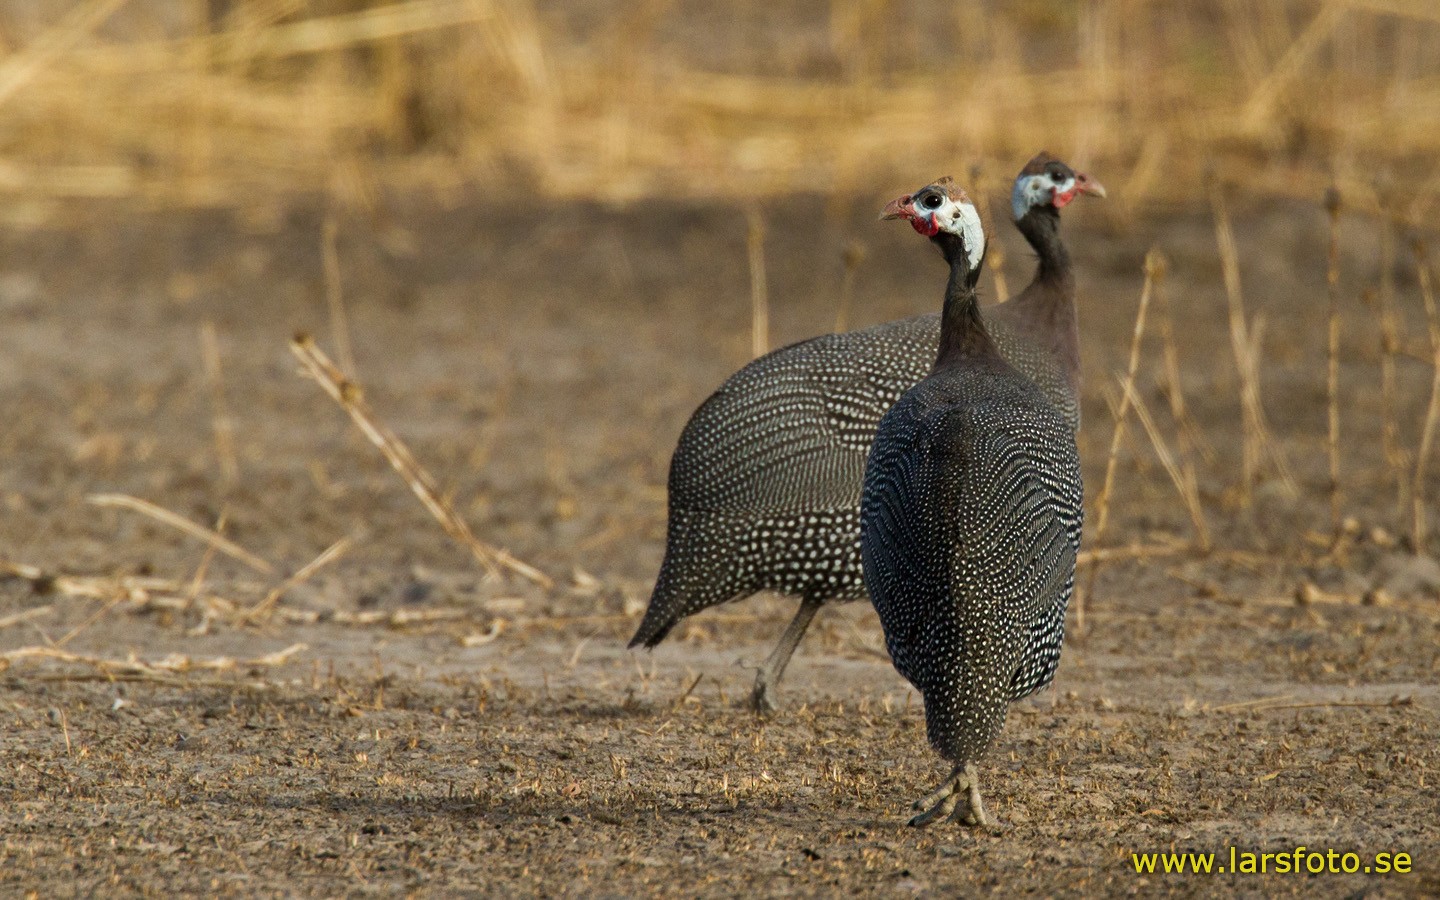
[(1269, 703), (179, 522), (351, 398), (174, 664), (26, 615), (327, 556)]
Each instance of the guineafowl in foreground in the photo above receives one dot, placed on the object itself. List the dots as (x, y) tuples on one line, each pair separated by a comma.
[(970, 522), (764, 485)]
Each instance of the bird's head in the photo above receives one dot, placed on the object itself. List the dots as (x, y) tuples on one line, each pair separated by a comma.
[(942, 212), (1046, 181)]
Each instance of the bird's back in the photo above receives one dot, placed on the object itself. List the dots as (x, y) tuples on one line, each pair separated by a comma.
[(972, 514)]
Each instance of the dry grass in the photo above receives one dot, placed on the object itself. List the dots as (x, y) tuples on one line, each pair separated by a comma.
[(349, 395), (1332, 369), (1245, 343), (1418, 528), (759, 287), (1284, 98)]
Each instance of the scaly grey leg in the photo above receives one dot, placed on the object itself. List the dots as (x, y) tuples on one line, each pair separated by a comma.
[(768, 678)]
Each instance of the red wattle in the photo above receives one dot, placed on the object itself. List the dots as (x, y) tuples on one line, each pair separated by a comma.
[(927, 227)]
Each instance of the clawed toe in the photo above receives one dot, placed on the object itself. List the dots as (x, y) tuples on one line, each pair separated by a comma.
[(943, 808), (957, 800)]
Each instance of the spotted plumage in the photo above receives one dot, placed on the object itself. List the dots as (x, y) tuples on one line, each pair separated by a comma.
[(764, 488), (970, 526)]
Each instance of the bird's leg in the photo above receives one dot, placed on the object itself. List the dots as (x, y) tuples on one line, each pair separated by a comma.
[(768, 677), (945, 801)]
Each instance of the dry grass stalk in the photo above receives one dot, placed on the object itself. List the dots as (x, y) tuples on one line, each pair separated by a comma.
[(1418, 531), (326, 557), (26, 615), (351, 398), (1395, 455), (220, 420), (489, 437), (174, 664), (1191, 437), (135, 588), (334, 297), (851, 258), (197, 583), (400, 618), (1267, 93), (1154, 272), (759, 294), (1259, 445), (1135, 551), (1268, 703), (21, 68), (1182, 478), (200, 532), (213, 120), (91, 620), (325, 34), (994, 247), (1332, 376)]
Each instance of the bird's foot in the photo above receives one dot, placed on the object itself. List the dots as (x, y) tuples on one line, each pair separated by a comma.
[(957, 799)]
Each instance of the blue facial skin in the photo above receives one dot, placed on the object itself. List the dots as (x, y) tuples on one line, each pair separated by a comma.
[(1020, 203)]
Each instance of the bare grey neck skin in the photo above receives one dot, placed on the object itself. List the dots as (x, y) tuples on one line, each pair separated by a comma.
[(963, 337), (1045, 309), (1041, 227)]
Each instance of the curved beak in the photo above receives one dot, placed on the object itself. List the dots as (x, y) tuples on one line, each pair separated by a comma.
[(899, 208), (1087, 185)]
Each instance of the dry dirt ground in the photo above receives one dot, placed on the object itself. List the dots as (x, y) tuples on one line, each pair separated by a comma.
[(443, 733)]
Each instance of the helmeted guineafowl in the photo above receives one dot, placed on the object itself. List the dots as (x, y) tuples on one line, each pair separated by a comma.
[(764, 487), (970, 522)]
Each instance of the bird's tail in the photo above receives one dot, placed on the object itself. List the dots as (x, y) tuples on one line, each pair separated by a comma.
[(699, 571)]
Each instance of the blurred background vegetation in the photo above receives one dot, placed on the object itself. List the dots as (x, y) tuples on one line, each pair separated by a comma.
[(243, 102)]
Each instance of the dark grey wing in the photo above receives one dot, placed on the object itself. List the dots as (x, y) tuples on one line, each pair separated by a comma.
[(904, 574), (791, 430)]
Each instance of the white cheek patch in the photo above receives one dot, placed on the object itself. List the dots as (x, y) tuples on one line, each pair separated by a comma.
[(964, 219)]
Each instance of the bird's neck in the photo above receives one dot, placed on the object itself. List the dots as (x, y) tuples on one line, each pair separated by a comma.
[(962, 332), (1041, 227)]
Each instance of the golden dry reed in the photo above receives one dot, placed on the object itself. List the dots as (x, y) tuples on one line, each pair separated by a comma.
[(850, 259), (1418, 531), (759, 293), (220, 422), (1154, 272), (1332, 371), (1395, 454), (1245, 344), (275, 97), (351, 398)]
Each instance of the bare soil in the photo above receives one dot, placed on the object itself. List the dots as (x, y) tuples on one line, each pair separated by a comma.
[(490, 737)]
